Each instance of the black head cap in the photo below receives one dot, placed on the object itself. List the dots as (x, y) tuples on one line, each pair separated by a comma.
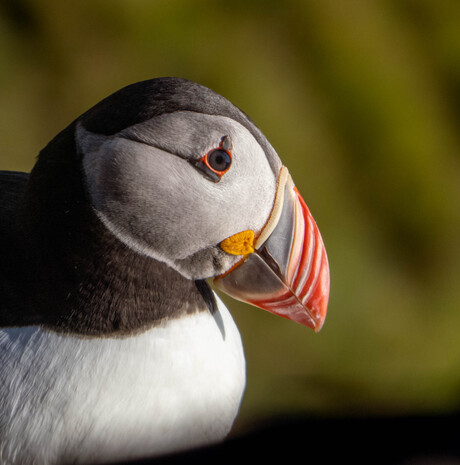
[(144, 100)]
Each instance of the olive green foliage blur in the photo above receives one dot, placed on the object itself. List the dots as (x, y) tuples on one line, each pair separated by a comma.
[(361, 100)]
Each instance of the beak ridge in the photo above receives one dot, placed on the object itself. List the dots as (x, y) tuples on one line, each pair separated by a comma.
[(288, 273)]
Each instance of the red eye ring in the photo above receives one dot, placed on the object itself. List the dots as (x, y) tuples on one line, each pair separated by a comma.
[(219, 160)]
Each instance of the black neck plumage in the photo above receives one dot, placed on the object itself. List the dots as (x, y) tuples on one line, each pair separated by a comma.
[(64, 270)]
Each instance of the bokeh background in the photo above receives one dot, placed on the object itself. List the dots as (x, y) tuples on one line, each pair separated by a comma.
[(361, 100)]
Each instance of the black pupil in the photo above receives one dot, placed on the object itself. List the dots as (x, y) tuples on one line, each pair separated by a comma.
[(219, 160)]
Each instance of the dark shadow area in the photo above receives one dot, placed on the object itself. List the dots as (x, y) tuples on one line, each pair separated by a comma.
[(411, 440)]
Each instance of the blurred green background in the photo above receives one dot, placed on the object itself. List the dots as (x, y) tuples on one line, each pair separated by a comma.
[(361, 100)]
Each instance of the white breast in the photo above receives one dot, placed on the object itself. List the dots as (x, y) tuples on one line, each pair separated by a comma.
[(83, 400)]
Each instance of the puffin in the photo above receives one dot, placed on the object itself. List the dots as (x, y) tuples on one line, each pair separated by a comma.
[(113, 344)]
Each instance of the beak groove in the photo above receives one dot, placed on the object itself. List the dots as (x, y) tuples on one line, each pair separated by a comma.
[(288, 273)]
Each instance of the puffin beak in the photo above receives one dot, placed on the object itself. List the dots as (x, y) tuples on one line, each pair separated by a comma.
[(285, 271)]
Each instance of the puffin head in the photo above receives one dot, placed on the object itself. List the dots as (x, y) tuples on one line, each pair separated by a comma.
[(179, 174)]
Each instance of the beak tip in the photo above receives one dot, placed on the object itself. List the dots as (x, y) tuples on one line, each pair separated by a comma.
[(318, 303), (319, 323), (317, 316), (323, 303), (288, 273)]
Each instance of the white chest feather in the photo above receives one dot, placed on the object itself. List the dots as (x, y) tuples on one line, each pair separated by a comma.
[(67, 399)]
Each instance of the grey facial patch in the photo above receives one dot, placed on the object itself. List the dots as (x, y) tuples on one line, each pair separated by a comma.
[(89, 142), (186, 134), (210, 262), (149, 195)]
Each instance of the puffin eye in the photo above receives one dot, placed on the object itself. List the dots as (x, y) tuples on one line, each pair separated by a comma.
[(218, 160)]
